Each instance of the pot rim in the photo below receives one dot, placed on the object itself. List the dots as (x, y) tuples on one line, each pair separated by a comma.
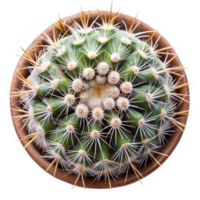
[(42, 162)]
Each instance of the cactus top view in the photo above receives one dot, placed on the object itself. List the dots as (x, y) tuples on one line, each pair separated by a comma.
[(100, 102)]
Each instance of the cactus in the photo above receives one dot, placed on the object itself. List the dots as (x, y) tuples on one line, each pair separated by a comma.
[(100, 102)]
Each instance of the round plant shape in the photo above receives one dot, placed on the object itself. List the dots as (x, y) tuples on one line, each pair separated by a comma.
[(36, 153)]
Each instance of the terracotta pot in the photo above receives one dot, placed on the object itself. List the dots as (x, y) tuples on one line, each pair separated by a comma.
[(35, 154)]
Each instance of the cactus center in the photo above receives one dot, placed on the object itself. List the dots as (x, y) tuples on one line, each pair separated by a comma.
[(70, 128), (96, 94), (54, 83), (116, 122), (135, 70), (72, 65), (126, 41), (95, 134), (115, 57), (69, 99)]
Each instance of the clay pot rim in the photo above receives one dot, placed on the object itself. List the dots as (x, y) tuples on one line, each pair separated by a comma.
[(43, 163)]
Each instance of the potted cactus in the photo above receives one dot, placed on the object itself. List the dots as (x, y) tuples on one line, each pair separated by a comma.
[(100, 99)]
